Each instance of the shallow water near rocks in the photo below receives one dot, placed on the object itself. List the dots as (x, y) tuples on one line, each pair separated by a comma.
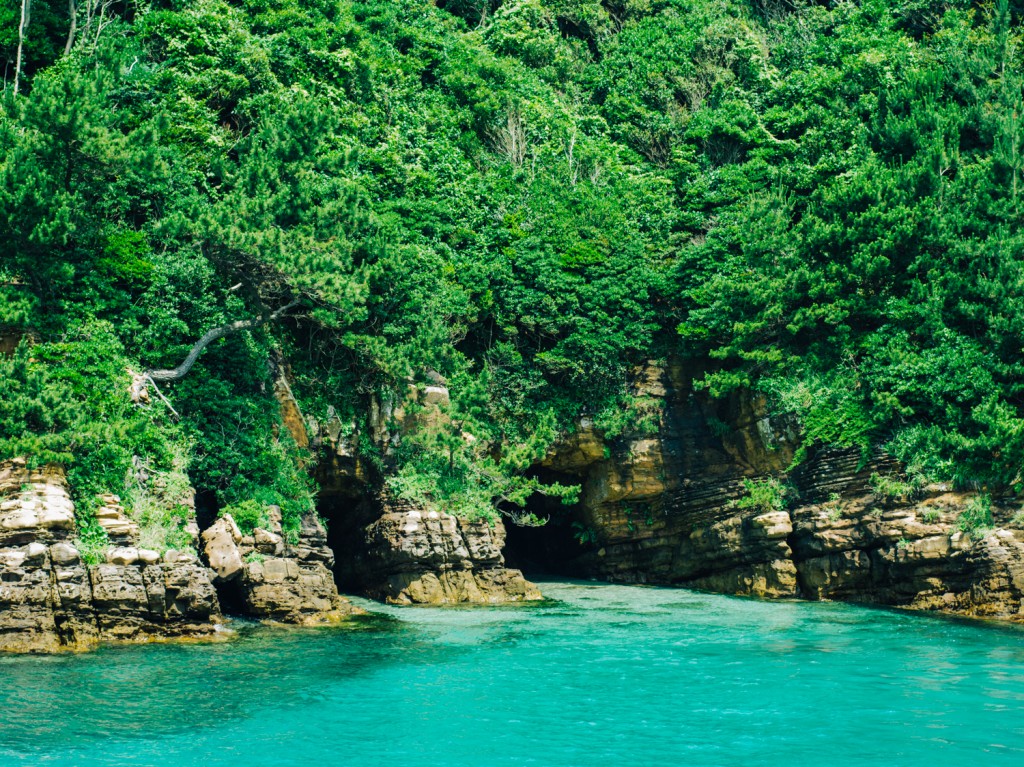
[(599, 675)]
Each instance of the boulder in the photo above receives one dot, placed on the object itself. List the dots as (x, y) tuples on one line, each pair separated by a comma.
[(220, 546)]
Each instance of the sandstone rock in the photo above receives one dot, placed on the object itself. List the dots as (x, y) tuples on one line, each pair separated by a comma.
[(776, 524), (64, 554), (123, 555), (50, 600), (435, 395), (267, 542), (220, 545), (664, 510), (35, 554), (121, 529), (148, 556), (293, 584), (412, 557)]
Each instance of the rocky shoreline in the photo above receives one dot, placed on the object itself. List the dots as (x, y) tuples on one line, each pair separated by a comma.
[(673, 507), (670, 505), (51, 600)]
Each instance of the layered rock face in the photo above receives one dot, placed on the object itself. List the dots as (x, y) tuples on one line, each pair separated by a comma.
[(414, 557), (666, 508), (264, 576), (51, 600), (389, 549)]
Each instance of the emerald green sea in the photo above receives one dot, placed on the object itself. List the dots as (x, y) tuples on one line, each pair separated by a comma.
[(598, 675)]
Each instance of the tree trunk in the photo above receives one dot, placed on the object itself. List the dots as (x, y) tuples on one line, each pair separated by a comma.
[(73, 13), (26, 13)]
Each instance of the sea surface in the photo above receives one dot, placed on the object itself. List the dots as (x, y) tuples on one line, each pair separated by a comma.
[(598, 675)]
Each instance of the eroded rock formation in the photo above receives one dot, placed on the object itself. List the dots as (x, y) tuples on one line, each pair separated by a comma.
[(414, 557), (664, 507), (51, 600), (265, 576)]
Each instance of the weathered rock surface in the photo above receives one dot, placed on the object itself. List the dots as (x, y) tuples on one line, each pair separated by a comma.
[(50, 600), (265, 577), (413, 557), (662, 508)]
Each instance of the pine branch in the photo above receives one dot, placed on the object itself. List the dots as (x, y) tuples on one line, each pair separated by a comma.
[(209, 337)]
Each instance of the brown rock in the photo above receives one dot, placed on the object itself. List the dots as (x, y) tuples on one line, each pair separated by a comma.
[(412, 556), (220, 545)]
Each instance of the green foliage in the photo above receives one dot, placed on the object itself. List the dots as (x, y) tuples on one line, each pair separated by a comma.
[(585, 535), (248, 515), (976, 517), (92, 542), (931, 516), (764, 495), (453, 463), (894, 488), (159, 502), (529, 198)]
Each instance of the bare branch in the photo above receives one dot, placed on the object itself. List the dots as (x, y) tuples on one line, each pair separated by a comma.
[(209, 337)]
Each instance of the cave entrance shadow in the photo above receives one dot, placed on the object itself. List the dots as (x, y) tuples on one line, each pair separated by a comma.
[(552, 549), (346, 512)]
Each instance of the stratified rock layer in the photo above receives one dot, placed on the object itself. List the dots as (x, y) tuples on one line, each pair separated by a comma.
[(664, 508), (50, 600), (408, 556), (264, 576)]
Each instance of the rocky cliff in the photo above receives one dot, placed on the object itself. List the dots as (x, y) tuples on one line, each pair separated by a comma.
[(409, 556), (50, 599), (673, 506), (265, 576), (389, 549)]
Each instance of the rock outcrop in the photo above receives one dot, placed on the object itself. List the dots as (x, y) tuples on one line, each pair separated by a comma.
[(666, 507), (51, 600), (408, 556), (264, 576)]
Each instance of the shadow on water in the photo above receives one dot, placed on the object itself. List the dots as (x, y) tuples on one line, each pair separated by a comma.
[(159, 689), (595, 675)]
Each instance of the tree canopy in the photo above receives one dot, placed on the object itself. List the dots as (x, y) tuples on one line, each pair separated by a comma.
[(527, 198)]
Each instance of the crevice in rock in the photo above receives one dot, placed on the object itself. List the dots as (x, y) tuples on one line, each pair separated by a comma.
[(231, 596)]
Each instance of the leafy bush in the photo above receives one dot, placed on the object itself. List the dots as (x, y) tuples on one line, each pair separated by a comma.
[(248, 515), (892, 488), (763, 495), (976, 517)]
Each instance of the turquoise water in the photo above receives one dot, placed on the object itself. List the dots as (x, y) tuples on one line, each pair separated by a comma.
[(602, 675)]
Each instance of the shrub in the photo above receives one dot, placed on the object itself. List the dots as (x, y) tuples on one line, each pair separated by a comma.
[(763, 495), (976, 516), (248, 515), (892, 488)]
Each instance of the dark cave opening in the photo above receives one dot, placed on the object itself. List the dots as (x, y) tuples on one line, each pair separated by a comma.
[(345, 512), (232, 597), (207, 508), (554, 548)]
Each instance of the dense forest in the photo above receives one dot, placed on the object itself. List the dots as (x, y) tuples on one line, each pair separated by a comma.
[(524, 198)]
